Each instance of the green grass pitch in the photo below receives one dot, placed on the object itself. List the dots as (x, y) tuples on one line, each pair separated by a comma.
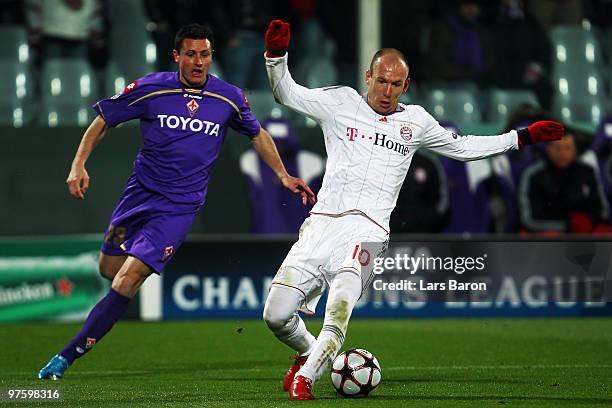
[(425, 363)]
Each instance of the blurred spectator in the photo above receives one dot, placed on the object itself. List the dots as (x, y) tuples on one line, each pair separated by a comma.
[(246, 21), (561, 194), (313, 51), (339, 20), (549, 13), (64, 28), (307, 30), (524, 59), (460, 48), (422, 204)]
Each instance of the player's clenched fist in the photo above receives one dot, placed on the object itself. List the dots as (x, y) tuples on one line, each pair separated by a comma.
[(78, 182), (277, 38), (543, 131)]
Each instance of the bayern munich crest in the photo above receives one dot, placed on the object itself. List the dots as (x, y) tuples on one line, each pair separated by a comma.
[(406, 132)]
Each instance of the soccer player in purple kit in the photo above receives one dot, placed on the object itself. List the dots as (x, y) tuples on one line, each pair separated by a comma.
[(184, 118)]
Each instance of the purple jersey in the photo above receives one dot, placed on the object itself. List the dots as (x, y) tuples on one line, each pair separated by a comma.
[(182, 130)]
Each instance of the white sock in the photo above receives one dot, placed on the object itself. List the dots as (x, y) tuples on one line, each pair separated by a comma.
[(280, 314), (344, 293)]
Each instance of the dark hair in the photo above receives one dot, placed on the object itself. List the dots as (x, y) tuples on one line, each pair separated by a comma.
[(385, 51), (193, 31)]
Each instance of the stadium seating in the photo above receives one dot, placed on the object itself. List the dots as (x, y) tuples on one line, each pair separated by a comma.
[(319, 67), (481, 193), (584, 110), (576, 78), (68, 88), (574, 45), (65, 113), (503, 101), (575, 81), (16, 102), (579, 93), (481, 196), (14, 44), (264, 106), (12, 112), (412, 96), (127, 13), (456, 105), (114, 83), (133, 52), (216, 70), (67, 79), (321, 73), (114, 80)]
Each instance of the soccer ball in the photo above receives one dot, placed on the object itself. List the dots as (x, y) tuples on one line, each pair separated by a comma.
[(355, 372)]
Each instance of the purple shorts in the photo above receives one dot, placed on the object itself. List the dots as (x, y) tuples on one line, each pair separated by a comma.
[(147, 226)]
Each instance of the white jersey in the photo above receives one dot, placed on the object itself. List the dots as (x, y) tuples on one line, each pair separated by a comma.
[(369, 154)]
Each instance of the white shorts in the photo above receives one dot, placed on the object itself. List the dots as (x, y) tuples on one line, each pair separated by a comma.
[(328, 246)]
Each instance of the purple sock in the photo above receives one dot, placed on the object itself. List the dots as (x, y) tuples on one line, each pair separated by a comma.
[(99, 322)]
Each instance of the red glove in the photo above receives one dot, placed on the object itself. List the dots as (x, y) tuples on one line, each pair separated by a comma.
[(580, 223), (277, 38), (543, 131)]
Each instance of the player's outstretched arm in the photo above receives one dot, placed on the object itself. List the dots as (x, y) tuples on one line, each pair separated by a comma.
[(466, 148), (266, 149), (78, 179)]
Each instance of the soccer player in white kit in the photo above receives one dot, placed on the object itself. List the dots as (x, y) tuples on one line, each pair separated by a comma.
[(370, 140)]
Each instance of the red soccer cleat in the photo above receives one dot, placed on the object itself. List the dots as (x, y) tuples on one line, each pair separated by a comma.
[(297, 364), (301, 389)]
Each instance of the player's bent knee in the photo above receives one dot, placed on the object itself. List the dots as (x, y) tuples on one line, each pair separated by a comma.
[(276, 317), (109, 266), (281, 307), (275, 320)]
